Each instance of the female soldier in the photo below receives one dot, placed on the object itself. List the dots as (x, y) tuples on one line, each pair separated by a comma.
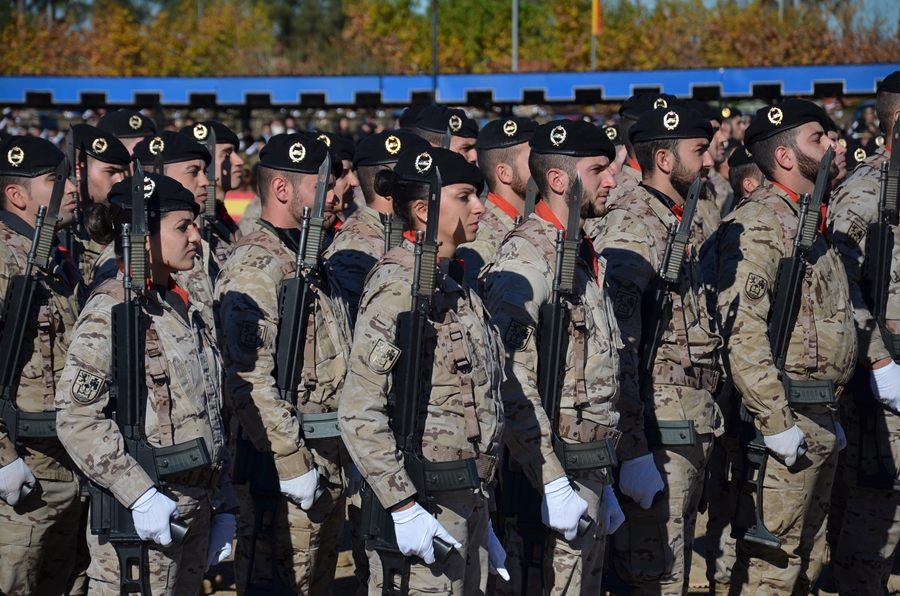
[(460, 415), (183, 401)]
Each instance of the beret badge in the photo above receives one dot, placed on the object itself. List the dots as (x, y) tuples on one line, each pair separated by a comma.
[(297, 152), (392, 145), (99, 145), (859, 154), (149, 187), (455, 123), (510, 128), (134, 122), (670, 120), (200, 132), (423, 163), (15, 156), (157, 146), (324, 139), (558, 136), (775, 116), (660, 103)]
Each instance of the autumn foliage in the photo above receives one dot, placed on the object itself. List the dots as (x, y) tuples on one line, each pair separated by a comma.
[(231, 38)]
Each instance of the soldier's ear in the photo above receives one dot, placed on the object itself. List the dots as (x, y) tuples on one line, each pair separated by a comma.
[(280, 189), (664, 160), (17, 196), (504, 173), (784, 157), (420, 211), (558, 181)]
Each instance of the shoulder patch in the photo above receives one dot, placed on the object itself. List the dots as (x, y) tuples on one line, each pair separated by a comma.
[(756, 286), (856, 232), (383, 357), (517, 336), (625, 304), (252, 336), (86, 387)]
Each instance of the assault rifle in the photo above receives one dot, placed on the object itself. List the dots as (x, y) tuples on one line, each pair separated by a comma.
[(393, 235), (782, 320), (68, 234), (128, 397), (210, 214), (445, 140), (531, 191), (17, 316), (403, 405)]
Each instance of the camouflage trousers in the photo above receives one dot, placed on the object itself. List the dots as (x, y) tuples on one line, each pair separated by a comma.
[(870, 532), (357, 543), (465, 516), (38, 539), (306, 542), (796, 504), (174, 570), (721, 549), (652, 549), (564, 567)]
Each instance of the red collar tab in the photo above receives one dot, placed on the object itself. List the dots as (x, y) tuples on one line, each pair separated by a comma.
[(678, 210), (504, 205), (790, 193), (542, 211), (410, 235), (796, 198), (634, 164), (174, 287)]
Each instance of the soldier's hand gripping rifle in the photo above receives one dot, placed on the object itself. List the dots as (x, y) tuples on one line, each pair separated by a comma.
[(782, 319), (128, 393), (17, 316), (403, 407)]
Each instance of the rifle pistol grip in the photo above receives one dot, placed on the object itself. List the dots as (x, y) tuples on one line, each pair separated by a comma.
[(442, 550), (584, 524)]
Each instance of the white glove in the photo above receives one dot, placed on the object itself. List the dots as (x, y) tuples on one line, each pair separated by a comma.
[(302, 489), (415, 529), (152, 513), (221, 536), (885, 384), (785, 444), (562, 508), (496, 555), (12, 478), (640, 480), (841, 435), (614, 514)]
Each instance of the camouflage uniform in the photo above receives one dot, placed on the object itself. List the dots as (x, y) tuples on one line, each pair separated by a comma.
[(871, 522), (451, 425), (822, 346), (721, 189), (247, 311), (517, 282), (186, 406), (494, 225), (626, 181), (250, 216), (222, 240), (707, 217), (86, 252), (652, 549), (38, 537)]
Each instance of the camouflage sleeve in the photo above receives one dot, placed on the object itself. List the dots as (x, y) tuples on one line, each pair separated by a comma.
[(248, 325), (351, 264), (8, 453), (475, 255), (92, 440), (851, 211), (362, 411), (748, 256), (624, 242), (514, 290)]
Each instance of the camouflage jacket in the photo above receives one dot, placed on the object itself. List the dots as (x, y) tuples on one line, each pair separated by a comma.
[(852, 208), (632, 238), (250, 216), (86, 252), (460, 389), (187, 404), (721, 189), (494, 225), (823, 344), (247, 312), (517, 283), (51, 320), (708, 215), (356, 248)]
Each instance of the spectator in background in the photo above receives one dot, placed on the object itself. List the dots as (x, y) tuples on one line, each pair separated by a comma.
[(343, 129), (867, 123)]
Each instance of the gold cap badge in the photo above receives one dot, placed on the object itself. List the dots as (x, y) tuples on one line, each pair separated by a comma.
[(859, 154), (842, 142), (671, 120), (149, 187), (15, 156), (776, 116), (510, 128), (660, 103), (726, 112), (611, 133), (99, 145), (135, 122), (423, 163), (455, 123), (200, 132), (325, 139), (297, 152), (879, 140), (392, 145), (558, 136), (157, 146)]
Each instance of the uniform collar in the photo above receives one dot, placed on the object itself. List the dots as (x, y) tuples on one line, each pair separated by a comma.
[(633, 164), (663, 198), (544, 212), (290, 237), (504, 205), (17, 224)]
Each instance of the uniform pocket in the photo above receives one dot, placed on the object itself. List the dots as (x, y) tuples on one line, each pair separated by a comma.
[(14, 533), (649, 552)]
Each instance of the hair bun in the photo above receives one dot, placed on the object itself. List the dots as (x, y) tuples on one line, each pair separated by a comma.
[(98, 223), (384, 182)]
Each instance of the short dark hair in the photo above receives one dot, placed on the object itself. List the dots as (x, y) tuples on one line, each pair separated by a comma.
[(435, 138), (885, 106), (366, 175), (266, 175), (541, 163), (644, 153), (625, 125), (7, 180), (737, 174), (489, 159), (763, 151)]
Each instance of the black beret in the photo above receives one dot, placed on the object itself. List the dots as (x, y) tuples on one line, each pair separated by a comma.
[(439, 119), (296, 152), (408, 116), (891, 83), (572, 137), (386, 147), (200, 131), (28, 157), (505, 132), (730, 112), (175, 146), (670, 123), (342, 148), (127, 124), (636, 105), (706, 110), (788, 114), (420, 166), (100, 144), (612, 133), (740, 156), (161, 194)]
